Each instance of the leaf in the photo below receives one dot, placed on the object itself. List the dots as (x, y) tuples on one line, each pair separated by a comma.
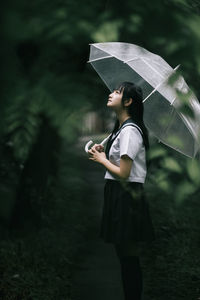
[(184, 191), (175, 141), (193, 170), (160, 179), (173, 78), (108, 31), (171, 165), (156, 152), (164, 185), (187, 111)]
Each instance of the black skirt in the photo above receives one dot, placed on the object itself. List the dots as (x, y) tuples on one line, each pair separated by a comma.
[(126, 215)]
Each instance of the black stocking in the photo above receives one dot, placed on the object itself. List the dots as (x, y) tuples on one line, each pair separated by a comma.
[(131, 274)]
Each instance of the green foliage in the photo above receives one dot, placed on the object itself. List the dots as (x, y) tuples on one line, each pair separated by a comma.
[(193, 171), (172, 173), (108, 32), (21, 125), (184, 191), (45, 72), (156, 152), (171, 164)]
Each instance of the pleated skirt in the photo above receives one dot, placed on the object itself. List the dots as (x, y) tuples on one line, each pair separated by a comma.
[(125, 216)]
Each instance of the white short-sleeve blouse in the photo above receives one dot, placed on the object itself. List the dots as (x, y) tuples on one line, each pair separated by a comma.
[(129, 142)]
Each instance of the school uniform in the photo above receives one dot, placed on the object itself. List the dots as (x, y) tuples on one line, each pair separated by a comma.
[(126, 215)]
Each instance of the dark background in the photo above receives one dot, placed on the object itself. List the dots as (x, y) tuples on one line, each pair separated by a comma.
[(47, 88)]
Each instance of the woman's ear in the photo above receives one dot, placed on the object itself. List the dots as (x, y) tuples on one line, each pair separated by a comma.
[(128, 102)]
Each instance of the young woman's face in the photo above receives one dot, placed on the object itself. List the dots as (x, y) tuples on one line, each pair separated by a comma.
[(115, 100)]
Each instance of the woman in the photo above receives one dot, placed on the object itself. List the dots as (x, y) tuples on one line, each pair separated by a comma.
[(126, 221)]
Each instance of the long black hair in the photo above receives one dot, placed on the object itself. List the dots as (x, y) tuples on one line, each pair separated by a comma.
[(135, 110)]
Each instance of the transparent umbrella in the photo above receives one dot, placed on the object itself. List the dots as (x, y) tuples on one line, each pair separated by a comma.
[(163, 114)]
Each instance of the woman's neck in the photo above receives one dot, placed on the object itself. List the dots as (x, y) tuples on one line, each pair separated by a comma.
[(122, 117)]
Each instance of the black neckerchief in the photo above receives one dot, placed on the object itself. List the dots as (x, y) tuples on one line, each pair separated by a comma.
[(128, 122)]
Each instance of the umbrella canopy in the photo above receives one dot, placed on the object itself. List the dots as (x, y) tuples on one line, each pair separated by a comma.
[(117, 62)]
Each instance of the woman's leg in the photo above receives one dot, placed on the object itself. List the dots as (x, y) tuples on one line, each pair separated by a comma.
[(131, 271)]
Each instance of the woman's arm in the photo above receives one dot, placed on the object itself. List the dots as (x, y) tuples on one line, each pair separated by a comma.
[(123, 171)]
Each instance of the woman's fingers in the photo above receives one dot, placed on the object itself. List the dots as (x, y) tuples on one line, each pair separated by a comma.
[(94, 147), (100, 148), (97, 147), (90, 152), (93, 151)]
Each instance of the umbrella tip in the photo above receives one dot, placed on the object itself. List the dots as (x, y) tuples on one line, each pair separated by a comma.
[(176, 67)]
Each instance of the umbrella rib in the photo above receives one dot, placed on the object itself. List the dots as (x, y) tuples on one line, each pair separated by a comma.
[(126, 61), (168, 144), (152, 67), (173, 101), (153, 91), (104, 50), (160, 85), (144, 62), (155, 71), (109, 56), (102, 78), (191, 130), (144, 58)]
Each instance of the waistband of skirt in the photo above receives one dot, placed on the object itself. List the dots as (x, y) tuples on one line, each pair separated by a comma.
[(118, 182)]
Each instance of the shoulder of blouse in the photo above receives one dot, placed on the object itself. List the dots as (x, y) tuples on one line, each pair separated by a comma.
[(131, 130)]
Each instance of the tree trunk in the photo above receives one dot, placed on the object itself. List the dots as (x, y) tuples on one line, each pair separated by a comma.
[(41, 163)]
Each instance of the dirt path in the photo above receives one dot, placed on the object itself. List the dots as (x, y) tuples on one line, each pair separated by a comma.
[(98, 275), (167, 265)]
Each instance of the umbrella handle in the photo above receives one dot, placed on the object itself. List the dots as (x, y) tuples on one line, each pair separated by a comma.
[(88, 145), (91, 142)]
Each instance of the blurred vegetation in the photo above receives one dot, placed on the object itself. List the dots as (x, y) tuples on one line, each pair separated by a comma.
[(46, 88)]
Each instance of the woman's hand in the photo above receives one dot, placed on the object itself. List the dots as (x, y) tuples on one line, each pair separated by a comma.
[(98, 147), (97, 156)]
